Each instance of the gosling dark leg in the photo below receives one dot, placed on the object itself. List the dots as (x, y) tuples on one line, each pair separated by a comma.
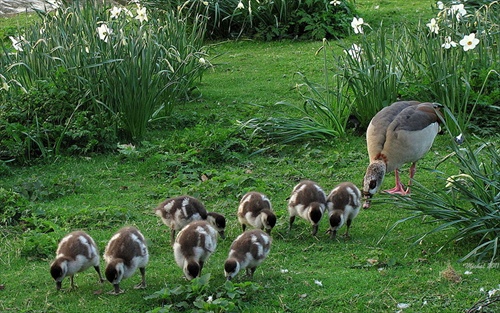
[(315, 230), (348, 224), (98, 270), (292, 219), (142, 284)]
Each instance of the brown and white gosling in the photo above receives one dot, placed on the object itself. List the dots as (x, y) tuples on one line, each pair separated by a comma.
[(308, 201), (343, 205), (193, 246), (75, 253), (255, 210), (179, 211), (247, 251), (125, 252)]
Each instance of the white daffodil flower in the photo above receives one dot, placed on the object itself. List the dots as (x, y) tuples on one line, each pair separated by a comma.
[(104, 32), (357, 25), (448, 43), (433, 26), (115, 12), (469, 42), (141, 14)]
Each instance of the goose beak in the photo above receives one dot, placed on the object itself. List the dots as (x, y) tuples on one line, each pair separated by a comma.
[(58, 285)]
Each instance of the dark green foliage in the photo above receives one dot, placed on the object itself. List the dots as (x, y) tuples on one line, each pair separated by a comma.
[(67, 89), (13, 207), (37, 189), (271, 20), (4, 168), (318, 19), (38, 245), (51, 118)]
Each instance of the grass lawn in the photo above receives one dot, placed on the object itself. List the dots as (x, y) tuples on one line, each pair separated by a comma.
[(200, 152)]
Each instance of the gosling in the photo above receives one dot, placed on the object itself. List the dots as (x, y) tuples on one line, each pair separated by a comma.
[(255, 210), (193, 246), (179, 211), (125, 252), (75, 253), (247, 251), (343, 205), (308, 201)]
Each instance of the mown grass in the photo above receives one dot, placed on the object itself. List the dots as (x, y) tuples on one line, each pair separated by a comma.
[(363, 274)]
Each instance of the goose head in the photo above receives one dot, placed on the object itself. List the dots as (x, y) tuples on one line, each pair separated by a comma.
[(373, 180)]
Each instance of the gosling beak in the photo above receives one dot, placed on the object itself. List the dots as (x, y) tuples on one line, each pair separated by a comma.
[(222, 234)]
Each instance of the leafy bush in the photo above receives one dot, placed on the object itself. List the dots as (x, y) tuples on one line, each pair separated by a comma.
[(39, 245), (44, 121), (36, 189), (318, 19), (13, 207)]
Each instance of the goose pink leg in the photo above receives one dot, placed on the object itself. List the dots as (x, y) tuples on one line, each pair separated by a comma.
[(413, 170), (399, 188)]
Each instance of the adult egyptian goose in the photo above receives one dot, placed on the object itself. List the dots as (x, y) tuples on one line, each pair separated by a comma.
[(193, 246), (308, 201), (179, 211), (343, 203), (400, 133), (75, 253), (125, 252), (255, 210), (247, 251)]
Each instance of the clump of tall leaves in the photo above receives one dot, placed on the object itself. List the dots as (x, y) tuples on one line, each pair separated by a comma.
[(326, 109), (467, 201), (111, 68)]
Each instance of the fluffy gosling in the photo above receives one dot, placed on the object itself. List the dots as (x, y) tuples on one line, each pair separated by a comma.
[(193, 246), (308, 201), (125, 252), (75, 253), (343, 204), (255, 210), (247, 251), (179, 211)]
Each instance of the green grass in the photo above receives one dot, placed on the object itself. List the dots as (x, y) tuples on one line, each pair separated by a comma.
[(363, 274)]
